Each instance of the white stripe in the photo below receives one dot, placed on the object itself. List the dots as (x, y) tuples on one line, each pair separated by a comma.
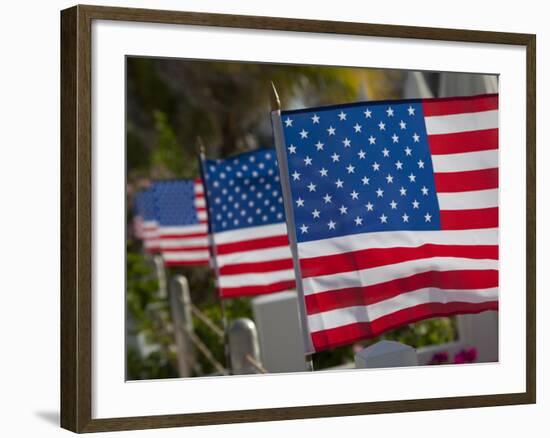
[(257, 255), (187, 256), (201, 215), (199, 188), (183, 230), (462, 122), (188, 242), (150, 224), (150, 243), (356, 242), (466, 161), (381, 274), (200, 202), (468, 200), (350, 315), (250, 233), (257, 279)]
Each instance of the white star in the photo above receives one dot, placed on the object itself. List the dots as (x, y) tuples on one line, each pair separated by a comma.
[(369, 206), (367, 113), (358, 221), (424, 190), (342, 115), (343, 210), (372, 140), (379, 193), (307, 160), (311, 187), (403, 191), (300, 202), (385, 152), (428, 217), (315, 119), (389, 111), (420, 164), (288, 121), (295, 176), (408, 151), (335, 157), (339, 183), (405, 218), (399, 165), (383, 219), (361, 154), (402, 125), (412, 177), (327, 198), (357, 127), (319, 145), (292, 149), (382, 126), (365, 181), (375, 166), (350, 169), (303, 133), (393, 205), (354, 195), (347, 142), (316, 213), (415, 204), (331, 225), (389, 179), (395, 138), (304, 228), (331, 130), (410, 109), (323, 172), (416, 137)]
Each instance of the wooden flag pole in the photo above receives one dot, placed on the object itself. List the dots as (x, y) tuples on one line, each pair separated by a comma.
[(225, 324), (280, 148)]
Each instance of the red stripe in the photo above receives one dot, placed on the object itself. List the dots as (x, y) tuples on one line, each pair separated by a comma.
[(186, 263), (183, 236), (469, 219), (252, 244), (373, 257), (344, 335), (230, 292), (457, 105), (185, 248), (462, 142), (200, 208), (247, 268), (363, 296), (484, 179)]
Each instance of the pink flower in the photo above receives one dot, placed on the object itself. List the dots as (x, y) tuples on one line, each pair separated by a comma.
[(466, 356)]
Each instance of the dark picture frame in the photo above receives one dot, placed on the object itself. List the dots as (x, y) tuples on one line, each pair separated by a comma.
[(76, 217)]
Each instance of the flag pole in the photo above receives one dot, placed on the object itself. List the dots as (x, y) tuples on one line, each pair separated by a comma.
[(213, 258), (285, 185)]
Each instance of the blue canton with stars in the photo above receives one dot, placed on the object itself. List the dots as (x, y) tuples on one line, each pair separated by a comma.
[(360, 168), (175, 202), (244, 191), (145, 205)]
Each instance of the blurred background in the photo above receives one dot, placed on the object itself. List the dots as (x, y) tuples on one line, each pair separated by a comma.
[(170, 103)]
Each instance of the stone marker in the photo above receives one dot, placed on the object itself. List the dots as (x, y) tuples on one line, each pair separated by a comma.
[(243, 340), (386, 354)]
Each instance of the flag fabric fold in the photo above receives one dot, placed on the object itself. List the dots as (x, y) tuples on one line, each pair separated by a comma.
[(181, 222), (394, 208), (247, 224)]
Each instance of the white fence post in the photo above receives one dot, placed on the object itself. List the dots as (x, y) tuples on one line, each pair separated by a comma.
[(180, 307), (279, 331), (386, 354), (243, 346)]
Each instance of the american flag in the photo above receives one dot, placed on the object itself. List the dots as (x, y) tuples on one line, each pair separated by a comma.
[(247, 224), (394, 208), (182, 222), (145, 220)]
